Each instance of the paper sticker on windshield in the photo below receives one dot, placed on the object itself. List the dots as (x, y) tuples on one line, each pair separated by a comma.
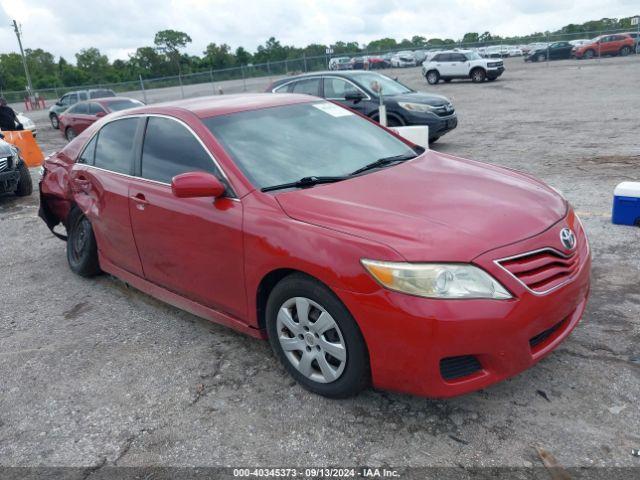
[(332, 109)]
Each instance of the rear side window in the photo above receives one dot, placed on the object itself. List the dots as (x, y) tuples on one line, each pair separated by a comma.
[(170, 149), (114, 150), (82, 95), (309, 86), (88, 153), (101, 93)]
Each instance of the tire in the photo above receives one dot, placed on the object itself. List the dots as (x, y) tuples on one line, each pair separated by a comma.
[(82, 249), (478, 75), (433, 140), (393, 121), (541, 57), (70, 134), (55, 122), (589, 54), (624, 51), (433, 77), (25, 185), (299, 341)]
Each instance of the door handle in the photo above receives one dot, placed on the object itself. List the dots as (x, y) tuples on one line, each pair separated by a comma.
[(140, 200)]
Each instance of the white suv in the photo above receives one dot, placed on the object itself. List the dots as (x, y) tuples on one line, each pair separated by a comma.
[(461, 64)]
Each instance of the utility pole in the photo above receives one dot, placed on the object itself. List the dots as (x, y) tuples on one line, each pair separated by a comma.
[(24, 59)]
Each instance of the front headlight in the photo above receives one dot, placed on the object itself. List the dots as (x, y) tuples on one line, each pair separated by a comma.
[(436, 280), (416, 107)]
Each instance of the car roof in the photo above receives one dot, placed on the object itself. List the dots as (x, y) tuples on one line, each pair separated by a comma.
[(333, 73), (204, 107)]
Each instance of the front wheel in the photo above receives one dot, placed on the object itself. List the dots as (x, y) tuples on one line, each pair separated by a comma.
[(25, 185), (589, 54), (316, 339), (541, 57), (478, 75), (624, 51), (55, 123), (82, 249), (433, 77)]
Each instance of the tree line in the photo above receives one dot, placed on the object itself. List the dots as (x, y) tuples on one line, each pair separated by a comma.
[(166, 56)]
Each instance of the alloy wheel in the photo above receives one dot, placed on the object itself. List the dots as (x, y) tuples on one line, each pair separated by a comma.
[(311, 340)]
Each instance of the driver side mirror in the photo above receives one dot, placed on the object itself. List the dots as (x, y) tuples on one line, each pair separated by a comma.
[(58, 103), (354, 96), (196, 184), (101, 114)]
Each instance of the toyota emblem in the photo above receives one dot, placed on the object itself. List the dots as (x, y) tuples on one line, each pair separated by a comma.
[(568, 238)]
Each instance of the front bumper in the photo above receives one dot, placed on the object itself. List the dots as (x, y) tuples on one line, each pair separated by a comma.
[(409, 337), (495, 72), (438, 126)]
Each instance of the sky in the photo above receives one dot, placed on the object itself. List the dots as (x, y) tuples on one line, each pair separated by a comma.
[(118, 27)]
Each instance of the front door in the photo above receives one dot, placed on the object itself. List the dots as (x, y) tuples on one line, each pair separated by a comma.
[(191, 246), (336, 89)]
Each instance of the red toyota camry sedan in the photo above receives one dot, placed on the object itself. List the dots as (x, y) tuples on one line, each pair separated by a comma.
[(362, 258)]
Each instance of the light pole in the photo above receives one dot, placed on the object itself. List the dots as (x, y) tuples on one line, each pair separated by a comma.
[(24, 59)]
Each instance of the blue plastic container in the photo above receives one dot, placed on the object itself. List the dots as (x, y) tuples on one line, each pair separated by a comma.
[(626, 204)]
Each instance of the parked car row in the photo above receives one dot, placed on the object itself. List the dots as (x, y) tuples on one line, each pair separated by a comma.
[(618, 44)]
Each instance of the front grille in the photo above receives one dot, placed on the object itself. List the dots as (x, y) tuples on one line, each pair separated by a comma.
[(542, 336), (543, 270), (444, 110), (452, 368), (5, 163)]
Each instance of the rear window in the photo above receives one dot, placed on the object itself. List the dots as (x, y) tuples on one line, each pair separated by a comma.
[(118, 105), (114, 150)]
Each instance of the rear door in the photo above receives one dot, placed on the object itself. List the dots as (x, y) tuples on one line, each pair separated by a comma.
[(191, 246), (100, 183), (442, 64)]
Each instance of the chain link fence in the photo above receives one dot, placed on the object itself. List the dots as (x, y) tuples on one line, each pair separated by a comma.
[(257, 77)]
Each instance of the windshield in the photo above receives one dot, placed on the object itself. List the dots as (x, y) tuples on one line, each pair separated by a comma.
[(123, 105), (473, 56), (373, 81), (278, 145)]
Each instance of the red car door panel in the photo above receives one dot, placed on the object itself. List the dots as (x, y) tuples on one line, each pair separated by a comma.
[(103, 198), (191, 246)]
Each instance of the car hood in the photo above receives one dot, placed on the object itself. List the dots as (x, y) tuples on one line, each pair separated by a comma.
[(6, 149), (433, 208), (420, 97)]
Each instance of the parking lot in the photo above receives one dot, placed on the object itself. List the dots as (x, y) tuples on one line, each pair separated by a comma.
[(93, 373)]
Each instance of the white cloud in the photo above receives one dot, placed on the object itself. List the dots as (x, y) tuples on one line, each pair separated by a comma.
[(118, 27)]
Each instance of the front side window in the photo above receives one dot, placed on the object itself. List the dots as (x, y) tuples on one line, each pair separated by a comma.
[(170, 149), (80, 109), (95, 108), (114, 150), (283, 144), (310, 86), (374, 82), (337, 88)]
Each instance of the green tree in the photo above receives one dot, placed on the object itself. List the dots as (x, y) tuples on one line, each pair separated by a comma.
[(218, 56), (242, 56), (170, 42), (93, 64), (471, 37)]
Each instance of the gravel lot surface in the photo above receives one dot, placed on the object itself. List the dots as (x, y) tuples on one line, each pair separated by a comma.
[(96, 374)]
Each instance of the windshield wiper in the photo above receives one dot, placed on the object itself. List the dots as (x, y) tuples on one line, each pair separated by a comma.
[(304, 182), (382, 162)]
